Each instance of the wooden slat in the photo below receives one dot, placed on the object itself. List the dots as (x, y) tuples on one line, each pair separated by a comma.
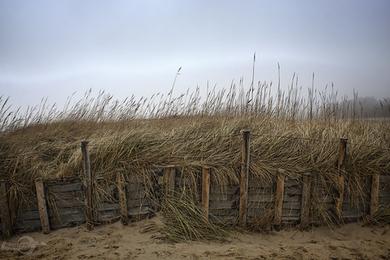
[(306, 196), (222, 204), (122, 198), (88, 183), (4, 211), (374, 200), (279, 194), (65, 187), (340, 178), (244, 177), (169, 180), (42, 206), (27, 225), (206, 191)]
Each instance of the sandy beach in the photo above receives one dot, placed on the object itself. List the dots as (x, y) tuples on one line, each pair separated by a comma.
[(141, 240)]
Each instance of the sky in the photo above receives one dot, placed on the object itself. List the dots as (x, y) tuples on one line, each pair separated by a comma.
[(55, 48)]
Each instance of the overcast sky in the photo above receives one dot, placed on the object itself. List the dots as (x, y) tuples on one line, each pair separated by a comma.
[(54, 48)]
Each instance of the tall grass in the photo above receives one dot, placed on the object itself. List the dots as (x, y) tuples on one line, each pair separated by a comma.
[(256, 101), (291, 130)]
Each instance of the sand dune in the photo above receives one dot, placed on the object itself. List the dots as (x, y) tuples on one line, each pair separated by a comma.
[(140, 241)]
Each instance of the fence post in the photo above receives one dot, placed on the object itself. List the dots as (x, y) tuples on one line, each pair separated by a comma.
[(342, 154), (42, 206), (206, 191), (121, 184), (244, 176), (306, 197), (169, 179), (279, 194), (88, 185), (374, 198), (5, 214)]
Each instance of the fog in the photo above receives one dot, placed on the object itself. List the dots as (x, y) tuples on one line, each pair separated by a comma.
[(55, 48)]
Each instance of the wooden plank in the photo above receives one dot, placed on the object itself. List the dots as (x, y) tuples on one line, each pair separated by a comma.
[(122, 198), (29, 215), (206, 191), (306, 197), (279, 194), (169, 180), (66, 196), (88, 183), (342, 154), (27, 225), (223, 212), (244, 177), (374, 198), (222, 204), (42, 206), (5, 213), (140, 211), (65, 187)]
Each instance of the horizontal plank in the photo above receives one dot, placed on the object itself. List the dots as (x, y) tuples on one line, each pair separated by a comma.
[(108, 215), (292, 198), (293, 190), (223, 196), (260, 199), (222, 204), (29, 207), (258, 212), (260, 205), (262, 190), (292, 205), (107, 207), (28, 215), (140, 211), (65, 211), (66, 187), (225, 220), (66, 195), (60, 203), (67, 221), (288, 219), (137, 195), (224, 189), (63, 180), (291, 212), (223, 212), (140, 201), (28, 225), (260, 185)]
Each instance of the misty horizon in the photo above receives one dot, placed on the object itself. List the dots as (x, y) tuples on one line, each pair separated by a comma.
[(53, 49)]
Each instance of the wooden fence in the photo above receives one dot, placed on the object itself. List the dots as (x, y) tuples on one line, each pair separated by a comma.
[(277, 201)]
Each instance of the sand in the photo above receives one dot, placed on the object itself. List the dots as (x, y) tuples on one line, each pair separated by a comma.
[(140, 241)]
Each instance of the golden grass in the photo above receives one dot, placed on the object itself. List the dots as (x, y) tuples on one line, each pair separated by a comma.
[(287, 133)]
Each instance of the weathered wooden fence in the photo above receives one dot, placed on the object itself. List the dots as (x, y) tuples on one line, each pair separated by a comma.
[(277, 200)]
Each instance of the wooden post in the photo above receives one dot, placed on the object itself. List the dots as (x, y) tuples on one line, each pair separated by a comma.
[(342, 155), (169, 179), (5, 214), (279, 199), (244, 176), (88, 185), (121, 183), (206, 191), (42, 206), (306, 196), (374, 200)]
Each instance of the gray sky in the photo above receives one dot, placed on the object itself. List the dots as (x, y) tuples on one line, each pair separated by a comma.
[(54, 48)]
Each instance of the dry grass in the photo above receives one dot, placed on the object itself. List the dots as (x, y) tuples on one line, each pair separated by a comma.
[(184, 221), (295, 134)]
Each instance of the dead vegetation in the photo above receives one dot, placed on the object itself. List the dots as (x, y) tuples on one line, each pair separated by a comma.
[(133, 136)]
